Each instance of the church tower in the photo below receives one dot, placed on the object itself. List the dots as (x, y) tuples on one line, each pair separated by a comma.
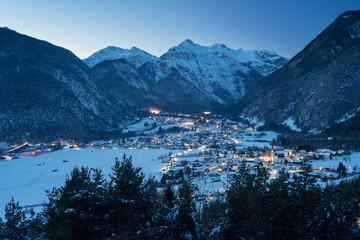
[(272, 157)]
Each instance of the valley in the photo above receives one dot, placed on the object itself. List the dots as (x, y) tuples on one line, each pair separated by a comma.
[(187, 120), (206, 147)]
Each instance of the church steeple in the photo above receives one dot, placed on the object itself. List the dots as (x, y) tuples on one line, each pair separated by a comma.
[(272, 157)]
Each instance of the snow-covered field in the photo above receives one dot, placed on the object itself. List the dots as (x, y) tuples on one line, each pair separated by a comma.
[(252, 141), (350, 162), (27, 177), (146, 126)]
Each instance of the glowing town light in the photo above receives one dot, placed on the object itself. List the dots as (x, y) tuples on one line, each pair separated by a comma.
[(154, 111), (207, 113), (209, 198)]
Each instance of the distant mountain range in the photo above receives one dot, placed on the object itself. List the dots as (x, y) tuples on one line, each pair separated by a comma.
[(316, 88), (189, 77), (46, 92)]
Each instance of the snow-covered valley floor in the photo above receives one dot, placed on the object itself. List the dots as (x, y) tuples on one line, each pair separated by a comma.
[(27, 177)]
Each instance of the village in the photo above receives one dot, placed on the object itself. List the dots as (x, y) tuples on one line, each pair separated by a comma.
[(210, 150)]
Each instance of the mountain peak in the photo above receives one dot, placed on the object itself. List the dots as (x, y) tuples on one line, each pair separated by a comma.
[(186, 42), (135, 56), (113, 48), (7, 28), (219, 46), (135, 49)]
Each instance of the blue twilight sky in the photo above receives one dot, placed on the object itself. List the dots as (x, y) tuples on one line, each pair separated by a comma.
[(85, 26)]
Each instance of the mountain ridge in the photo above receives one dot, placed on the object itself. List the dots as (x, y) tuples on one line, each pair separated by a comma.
[(134, 55), (194, 78), (46, 93), (317, 86)]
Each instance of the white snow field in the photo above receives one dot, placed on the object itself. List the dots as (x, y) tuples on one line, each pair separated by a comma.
[(351, 161), (27, 177)]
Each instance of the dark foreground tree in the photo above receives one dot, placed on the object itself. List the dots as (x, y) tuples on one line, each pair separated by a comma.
[(336, 216), (185, 216), (17, 226), (212, 219), (169, 197), (341, 170), (126, 200), (245, 201), (129, 207), (305, 194), (279, 206), (14, 227), (76, 210), (286, 208)]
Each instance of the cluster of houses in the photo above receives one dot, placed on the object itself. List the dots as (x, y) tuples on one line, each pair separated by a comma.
[(214, 148), (219, 164), (211, 150), (28, 149)]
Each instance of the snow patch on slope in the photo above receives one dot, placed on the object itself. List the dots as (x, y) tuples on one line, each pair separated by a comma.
[(348, 115), (253, 121), (290, 122)]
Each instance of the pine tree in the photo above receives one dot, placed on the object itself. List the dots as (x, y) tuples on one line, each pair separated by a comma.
[(259, 196), (35, 226), (245, 204), (169, 197), (126, 198), (185, 214), (212, 219), (251, 155), (341, 170), (336, 215), (154, 218), (163, 179), (73, 210), (279, 208), (14, 227), (181, 174), (2, 229), (305, 193)]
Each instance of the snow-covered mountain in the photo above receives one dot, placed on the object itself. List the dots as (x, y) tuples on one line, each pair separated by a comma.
[(211, 77), (121, 79), (134, 55), (219, 57), (188, 77), (318, 87), (46, 93)]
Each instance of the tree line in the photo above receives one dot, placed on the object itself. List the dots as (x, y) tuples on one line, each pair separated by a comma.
[(129, 206), (330, 138)]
